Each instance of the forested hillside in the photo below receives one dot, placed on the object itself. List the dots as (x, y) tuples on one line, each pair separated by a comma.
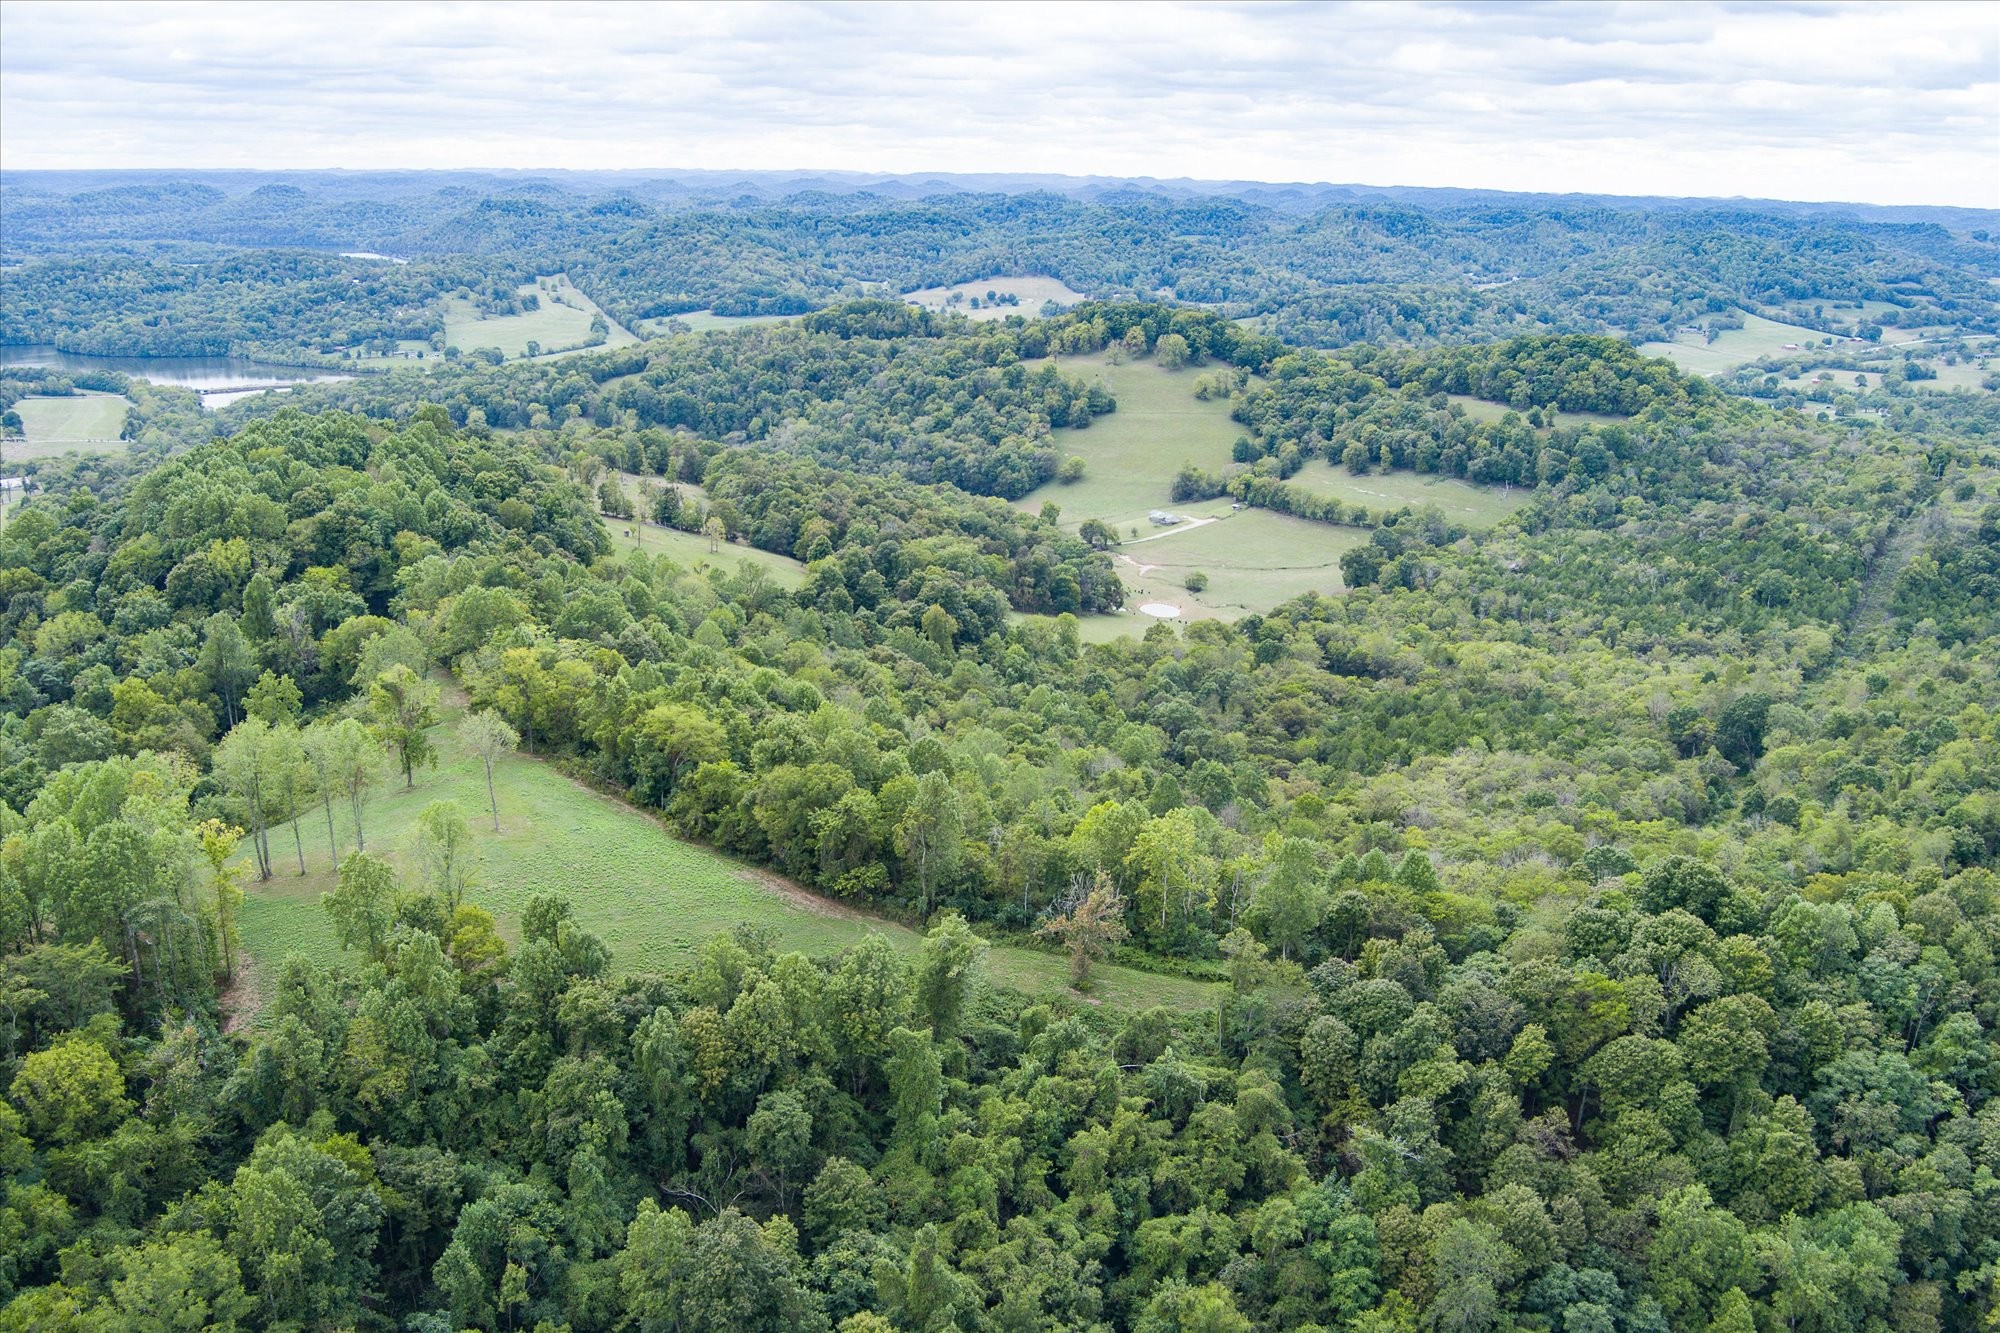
[(1320, 267), (1602, 909)]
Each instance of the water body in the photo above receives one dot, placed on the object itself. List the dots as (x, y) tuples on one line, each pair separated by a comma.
[(203, 374)]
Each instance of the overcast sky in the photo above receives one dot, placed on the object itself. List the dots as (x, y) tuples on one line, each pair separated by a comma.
[(1885, 103)]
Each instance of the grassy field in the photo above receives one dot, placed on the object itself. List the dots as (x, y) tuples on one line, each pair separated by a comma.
[(562, 324), (51, 426), (1254, 560), (1481, 409), (652, 897), (1032, 291), (1964, 375), (1096, 629), (1758, 337), (691, 550), (409, 352), (1130, 457), (1967, 374), (706, 321), (1476, 507)]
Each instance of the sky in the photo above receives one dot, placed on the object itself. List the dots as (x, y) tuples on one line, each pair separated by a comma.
[(1879, 103)]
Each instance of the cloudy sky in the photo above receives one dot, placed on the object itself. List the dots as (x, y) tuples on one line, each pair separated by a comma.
[(1886, 103)]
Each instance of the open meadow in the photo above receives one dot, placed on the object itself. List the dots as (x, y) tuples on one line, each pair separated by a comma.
[(690, 550), (704, 321), (652, 897), (1254, 559), (562, 324), (1759, 337), (1130, 457), (1470, 506), (89, 422), (1031, 293)]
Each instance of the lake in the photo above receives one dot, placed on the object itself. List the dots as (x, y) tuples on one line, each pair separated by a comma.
[(200, 373)]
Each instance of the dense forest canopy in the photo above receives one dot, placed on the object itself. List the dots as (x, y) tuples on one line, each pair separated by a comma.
[(1594, 916)]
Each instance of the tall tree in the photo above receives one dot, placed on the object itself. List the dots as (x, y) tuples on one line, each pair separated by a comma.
[(489, 736), (404, 706), (1092, 927), (245, 766), (444, 845), (227, 662), (931, 835)]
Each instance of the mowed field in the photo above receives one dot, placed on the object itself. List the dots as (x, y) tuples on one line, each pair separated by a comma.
[(89, 422), (561, 324), (1758, 337), (1130, 457), (1032, 292), (1254, 560), (652, 897), (1475, 507)]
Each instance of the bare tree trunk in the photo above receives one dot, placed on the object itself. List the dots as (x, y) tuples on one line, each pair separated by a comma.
[(332, 847), (491, 799)]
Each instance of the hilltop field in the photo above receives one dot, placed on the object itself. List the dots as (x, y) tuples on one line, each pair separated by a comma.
[(651, 896), (1253, 559), (561, 323)]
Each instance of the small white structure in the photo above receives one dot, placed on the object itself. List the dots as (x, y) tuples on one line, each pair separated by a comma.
[(10, 485), (1162, 519)]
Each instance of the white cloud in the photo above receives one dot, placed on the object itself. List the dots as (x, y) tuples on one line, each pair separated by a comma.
[(1894, 103)]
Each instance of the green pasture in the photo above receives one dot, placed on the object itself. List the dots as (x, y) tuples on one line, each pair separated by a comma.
[(706, 321), (1481, 409), (1967, 374), (1462, 502), (1254, 559), (562, 324), (1095, 629), (89, 422), (410, 352), (1033, 292), (690, 549), (1758, 337), (1130, 457), (651, 896)]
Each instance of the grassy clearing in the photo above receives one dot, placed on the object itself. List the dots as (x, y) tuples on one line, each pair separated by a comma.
[(1032, 292), (51, 426), (562, 324), (1095, 629), (1967, 374), (1964, 375), (1758, 337), (1254, 560), (690, 549), (409, 352), (1480, 409), (705, 321), (652, 897), (1131, 456), (1476, 507)]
